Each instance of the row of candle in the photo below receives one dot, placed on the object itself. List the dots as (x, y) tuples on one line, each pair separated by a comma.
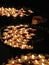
[(18, 36), (14, 12), (29, 59)]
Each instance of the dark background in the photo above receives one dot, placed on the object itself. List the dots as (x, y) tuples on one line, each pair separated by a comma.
[(40, 8)]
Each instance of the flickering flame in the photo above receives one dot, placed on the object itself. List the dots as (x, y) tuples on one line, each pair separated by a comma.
[(33, 57), (36, 62), (25, 57)]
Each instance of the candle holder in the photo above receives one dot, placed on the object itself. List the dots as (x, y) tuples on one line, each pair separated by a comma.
[(17, 36), (29, 59), (14, 12)]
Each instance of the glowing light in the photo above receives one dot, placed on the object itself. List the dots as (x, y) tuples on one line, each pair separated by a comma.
[(14, 12), (29, 60), (17, 36)]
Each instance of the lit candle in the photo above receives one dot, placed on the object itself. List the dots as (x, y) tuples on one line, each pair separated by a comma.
[(15, 15), (33, 57), (13, 62), (30, 11), (23, 46), (5, 41), (41, 56), (21, 14), (36, 62), (43, 60), (25, 57), (19, 60), (42, 64), (30, 47)]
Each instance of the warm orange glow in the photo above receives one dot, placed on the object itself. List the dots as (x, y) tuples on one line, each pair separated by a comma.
[(14, 12), (29, 59), (18, 36)]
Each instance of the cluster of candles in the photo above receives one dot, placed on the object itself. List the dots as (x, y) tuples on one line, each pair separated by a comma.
[(18, 36), (14, 12), (29, 59)]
